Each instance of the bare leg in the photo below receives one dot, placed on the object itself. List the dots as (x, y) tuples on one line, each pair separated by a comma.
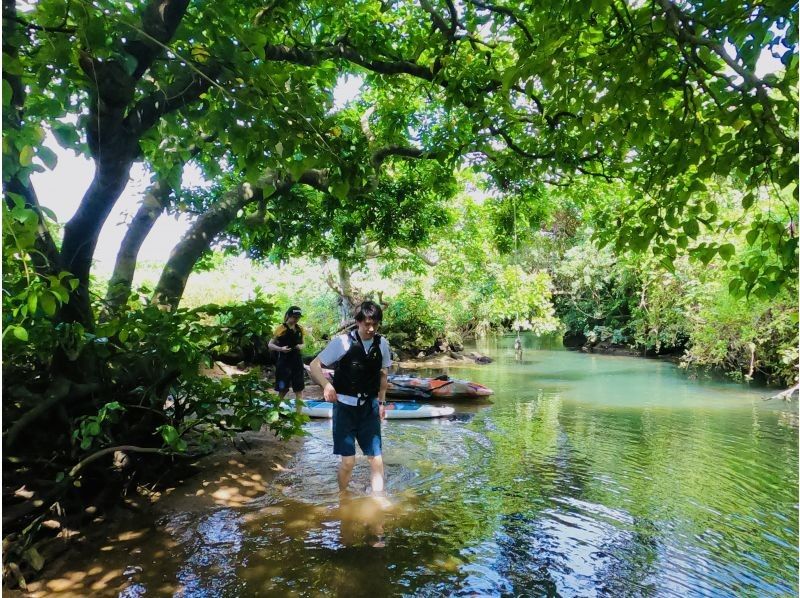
[(376, 467), (298, 401), (345, 471)]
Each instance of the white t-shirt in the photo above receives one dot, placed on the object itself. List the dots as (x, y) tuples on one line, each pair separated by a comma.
[(338, 348)]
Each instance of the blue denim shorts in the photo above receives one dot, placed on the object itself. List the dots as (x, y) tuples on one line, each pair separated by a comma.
[(361, 424)]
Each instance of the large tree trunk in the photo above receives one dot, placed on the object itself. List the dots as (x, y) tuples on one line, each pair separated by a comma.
[(118, 119), (82, 231), (153, 205), (346, 307), (119, 287), (184, 256)]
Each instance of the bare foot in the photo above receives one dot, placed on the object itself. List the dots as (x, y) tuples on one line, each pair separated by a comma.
[(379, 543), (381, 500)]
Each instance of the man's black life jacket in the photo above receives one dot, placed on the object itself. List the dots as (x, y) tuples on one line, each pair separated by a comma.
[(358, 373)]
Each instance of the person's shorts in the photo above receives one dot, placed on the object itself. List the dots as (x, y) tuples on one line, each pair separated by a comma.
[(360, 424), (289, 374)]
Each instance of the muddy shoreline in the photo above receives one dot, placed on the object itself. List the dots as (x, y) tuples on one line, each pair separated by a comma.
[(234, 475)]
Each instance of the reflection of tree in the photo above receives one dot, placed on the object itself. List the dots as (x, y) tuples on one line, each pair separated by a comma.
[(632, 562), (660, 479), (532, 457), (212, 554), (689, 472)]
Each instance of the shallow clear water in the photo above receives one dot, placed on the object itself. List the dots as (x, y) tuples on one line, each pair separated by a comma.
[(584, 476)]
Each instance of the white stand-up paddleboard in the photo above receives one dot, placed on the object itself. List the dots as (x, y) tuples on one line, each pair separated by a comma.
[(393, 410)]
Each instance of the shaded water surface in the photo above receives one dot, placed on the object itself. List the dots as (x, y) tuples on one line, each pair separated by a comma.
[(585, 476)]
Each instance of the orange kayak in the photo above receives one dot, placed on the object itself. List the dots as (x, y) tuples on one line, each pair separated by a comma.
[(403, 386)]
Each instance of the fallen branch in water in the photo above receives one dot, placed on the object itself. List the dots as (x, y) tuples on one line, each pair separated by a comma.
[(786, 395), (111, 449)]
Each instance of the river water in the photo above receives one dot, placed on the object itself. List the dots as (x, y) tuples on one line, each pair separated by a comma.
[(584, 476)]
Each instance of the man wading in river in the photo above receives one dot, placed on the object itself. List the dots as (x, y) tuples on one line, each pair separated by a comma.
[(361, 361)]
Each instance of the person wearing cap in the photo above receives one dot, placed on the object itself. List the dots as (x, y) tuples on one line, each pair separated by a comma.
[(288, 343), (360, 360)]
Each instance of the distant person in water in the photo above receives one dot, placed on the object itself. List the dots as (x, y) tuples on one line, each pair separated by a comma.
[(360, 360), (287, 342), (518, 349)]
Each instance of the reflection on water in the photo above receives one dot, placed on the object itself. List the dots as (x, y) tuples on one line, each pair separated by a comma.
[(585, 476)]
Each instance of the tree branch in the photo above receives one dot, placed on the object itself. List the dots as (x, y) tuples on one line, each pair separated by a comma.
[(510, 143), (438, 22), (379, 156), (502, 10), (340, 50), (111, 449), (160, 20), (150, 109), (60, 389), (32, 27)]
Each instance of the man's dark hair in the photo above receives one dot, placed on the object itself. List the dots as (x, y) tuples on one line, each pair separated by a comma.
[(369, 309)]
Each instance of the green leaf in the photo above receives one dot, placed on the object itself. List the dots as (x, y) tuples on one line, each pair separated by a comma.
[(21, 333), (48, 156), (735, 286), (169, 434), (49, 213), (48, 304), (34, 559), (707, 254), (340, 189), (748, 200), (752, 235), (65, 134), (691, 228), (32, 301), (726, 251), (26, 156), (7, 94)]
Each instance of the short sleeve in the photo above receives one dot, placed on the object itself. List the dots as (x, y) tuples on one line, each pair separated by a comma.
[(335, 350), (386, 353)]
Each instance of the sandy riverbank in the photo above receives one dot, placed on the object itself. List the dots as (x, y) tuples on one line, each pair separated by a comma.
[(232, 476)]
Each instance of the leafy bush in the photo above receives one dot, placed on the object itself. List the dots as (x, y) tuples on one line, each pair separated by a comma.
[(411, 321), (747, 338)]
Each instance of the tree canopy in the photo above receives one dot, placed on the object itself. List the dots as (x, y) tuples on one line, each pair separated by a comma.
[(662, 95)]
